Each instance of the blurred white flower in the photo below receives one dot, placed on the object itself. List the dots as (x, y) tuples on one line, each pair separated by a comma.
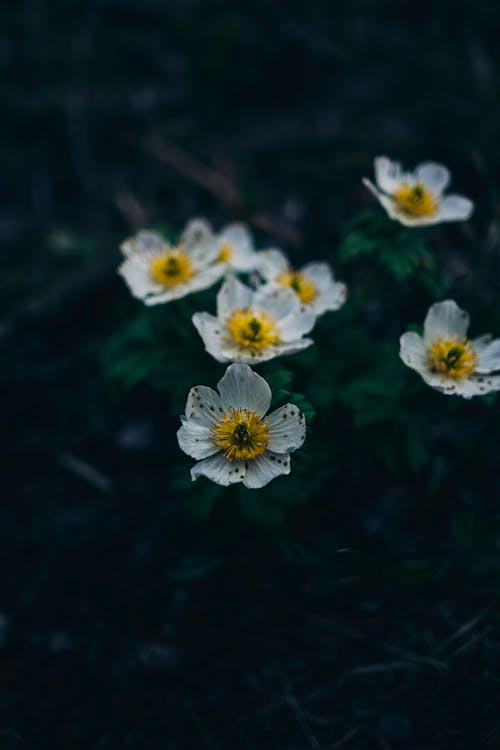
[(234, 247), (230, 436), (449, 361), (416, 198), (254, 325), (157, 272), (314, 283)]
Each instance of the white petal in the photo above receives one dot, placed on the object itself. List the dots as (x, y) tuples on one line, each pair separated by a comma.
[(477, 385), (196, 231), (199, 242), (388, 174), (194, 439), (332, 297), (434, 176), (292, 347), (231, 353), (243, 259), (219, 470), (276, 300), (486, 384), (388, 203), (272, 263), (242, 388), (212, 333), (481, 342), (287, 429), (234, 353), (455, 208), (204, 406), (233, 295), (236, 235), (445, 319), (264, 468), (412, 351), (136, 274), (488, 356), (296, 324), (320, 274), (145, 244)]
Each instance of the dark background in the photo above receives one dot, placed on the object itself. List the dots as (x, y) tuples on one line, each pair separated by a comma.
[(120, 113)]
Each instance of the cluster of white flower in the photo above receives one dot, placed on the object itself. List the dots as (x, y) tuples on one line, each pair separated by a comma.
[(228, 432)]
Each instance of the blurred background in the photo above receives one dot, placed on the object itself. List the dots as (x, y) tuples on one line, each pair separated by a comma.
[(120, 624)]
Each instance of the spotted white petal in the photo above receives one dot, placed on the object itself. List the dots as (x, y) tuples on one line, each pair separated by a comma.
[(219, 470), (272, 264), (455, 208), (262, 469), (287, 428), (203, 405), (242, 388), (434, 176), (488, 356), (445, 319), (475, 386), (233, 295), (194, 439)]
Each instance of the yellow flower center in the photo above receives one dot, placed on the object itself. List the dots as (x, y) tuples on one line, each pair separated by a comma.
[(171, 268), (241, 434), (253, 329), (455, 357), (225, 253), (300, 283), (415, 200)]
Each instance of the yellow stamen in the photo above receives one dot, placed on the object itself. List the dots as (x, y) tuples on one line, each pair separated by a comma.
[(253, 329), (241, 434), (225, 253), (415, 200), (454, 357), (171, 268), (300, 283)]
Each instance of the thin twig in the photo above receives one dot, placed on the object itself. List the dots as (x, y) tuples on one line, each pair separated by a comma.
[(85, 471)]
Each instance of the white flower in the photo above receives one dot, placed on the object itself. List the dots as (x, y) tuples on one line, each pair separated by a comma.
[(313, 284), (416, 198), (230, 436), (234, 247), (446, 359), (254, 325), (156, 271)]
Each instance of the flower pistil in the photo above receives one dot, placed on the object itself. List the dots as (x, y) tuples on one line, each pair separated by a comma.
[(454, 357), (171, 268), (415, 200), (241, 434), (252, 329)]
